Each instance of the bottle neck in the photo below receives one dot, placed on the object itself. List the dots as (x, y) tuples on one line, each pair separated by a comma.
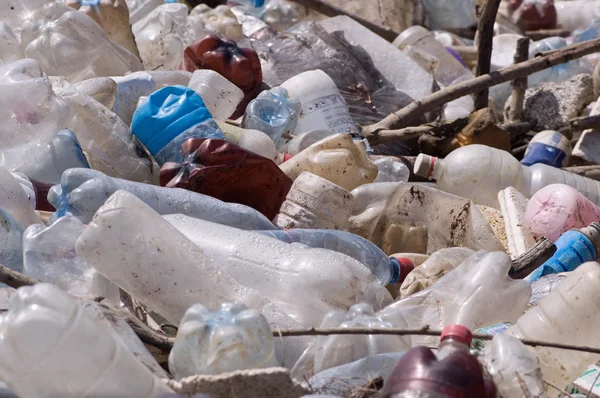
[(450, 345), (437, 168)]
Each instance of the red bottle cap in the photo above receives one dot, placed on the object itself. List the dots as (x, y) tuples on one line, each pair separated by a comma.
[(458, 332), (406, 266)]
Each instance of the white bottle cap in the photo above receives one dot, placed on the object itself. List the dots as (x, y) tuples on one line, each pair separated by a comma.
[(220, 96), (424, 165)]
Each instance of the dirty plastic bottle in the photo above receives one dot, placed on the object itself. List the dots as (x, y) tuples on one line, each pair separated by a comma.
[(548, 147), (14, 200), (568, 315), (11, 242), (83, 191), (479, 172), (273, 113), (168, 118), (220, 20), (302, 141), (336, 158), (573, 248), (220, 96), (450, 14), (10, 49), (314, 202), (51, 347), (232, 338), (322, 104), (256, 7), (49, 255), (386, 269), (557, 208), (454, 338), (514, 369), (252, 140)]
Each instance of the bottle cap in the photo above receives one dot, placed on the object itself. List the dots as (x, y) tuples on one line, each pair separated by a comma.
[(458, 332), (424, 165), (405, 266)]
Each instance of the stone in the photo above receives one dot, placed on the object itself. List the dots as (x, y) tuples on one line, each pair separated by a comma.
[(551, 105), (587, 149)]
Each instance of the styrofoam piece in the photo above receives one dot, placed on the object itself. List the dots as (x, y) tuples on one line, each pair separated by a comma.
[(519, 236), (220, 96)]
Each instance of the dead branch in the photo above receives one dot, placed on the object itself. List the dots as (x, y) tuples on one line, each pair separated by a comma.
[(519, 85), (15, 279), (405, 115), (527, 262), (585, 122), (448, 129), (485, 27), (536, 35), (147, 335)]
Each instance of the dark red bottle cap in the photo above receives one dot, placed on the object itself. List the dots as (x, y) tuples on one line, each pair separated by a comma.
[(458, 332), (406, 267)]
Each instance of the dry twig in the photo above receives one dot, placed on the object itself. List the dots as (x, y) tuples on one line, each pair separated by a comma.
[(527, 262), (519, 85), (485, 27)]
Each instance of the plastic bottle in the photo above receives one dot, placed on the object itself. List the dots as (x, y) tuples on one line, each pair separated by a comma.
[(514, 369), (567, 316), (314, 202), (557, 208), (168, 118), (83, 191), (220, 264), (302, 141), (138, 9), (573, 248), (385, 269), (256, 7), (450, 14), (454, 338), (231, 338), (11, 242), (391, 171), (220, 20), (573, 15), (14, 200), (49, 255), (10, 49), (548, 147), (336, 158), (220, 96), (543, 286), (273, 113), (322, 105), (51, 347), (252, 140), (479, 172), (225, 171)]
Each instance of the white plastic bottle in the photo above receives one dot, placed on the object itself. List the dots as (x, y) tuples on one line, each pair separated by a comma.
[(568, 315), (314, 202), (220, 96), (51, 347), (323, 107), (478, 172)]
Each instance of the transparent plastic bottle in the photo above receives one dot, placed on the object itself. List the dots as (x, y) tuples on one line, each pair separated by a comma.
[(14, 200), (51, 347), (568, 315), (386, 269), (454, 338), (450, 14), (11, 242), (255, 7), (220, 96), (83, 191), (478, 172), (253, 140), (314, 202), (557, 208), (391, 171)]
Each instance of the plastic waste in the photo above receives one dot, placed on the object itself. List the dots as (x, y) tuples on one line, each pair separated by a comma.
[(102, 89), (138, 9), (239, 65), (168, 118), (479, 172), (336, 158), (533, 14), (435, 267), (450, 14), (253, 27), (17, 12), (113, 17), (573, 15), (43, 333), (258, 275), (283, 14), (322, 104), (385, 269), (558, 318), (414, 218), (219, 20), (82, 192), (254, 6), (548, 147), (11, 242), (70, 44), (302, 141), (232, 338), (573, 248), (49, 255), (543, 286), (391, 170), (314, 202), (514, 369), (251, 140), (273, 113), (454, 338), (513, 206), (14, 201), (557, 208), (225, 171), (10, 48), (220, 96)]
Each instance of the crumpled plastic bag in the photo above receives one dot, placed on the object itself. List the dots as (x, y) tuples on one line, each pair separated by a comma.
[(69, 43)]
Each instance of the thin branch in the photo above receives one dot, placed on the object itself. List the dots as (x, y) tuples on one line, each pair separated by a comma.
[(147, 335), (536, 35), (15, 279), (527, 262), (519, 85), (558, 389), (448, 129), (405, 115), (485, 37), (585, 122)]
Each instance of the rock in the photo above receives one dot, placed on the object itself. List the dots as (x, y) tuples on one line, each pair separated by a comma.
[(551, 105)]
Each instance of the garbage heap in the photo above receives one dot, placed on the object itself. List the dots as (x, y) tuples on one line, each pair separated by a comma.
[(389, 198)]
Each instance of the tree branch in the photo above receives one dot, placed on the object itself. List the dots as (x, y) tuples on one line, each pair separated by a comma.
[(15, 279), (527, 262), (519, 85), (485, 27)]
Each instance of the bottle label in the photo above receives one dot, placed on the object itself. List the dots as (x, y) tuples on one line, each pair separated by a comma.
[(492, 330), (538, 152), (327, 112)]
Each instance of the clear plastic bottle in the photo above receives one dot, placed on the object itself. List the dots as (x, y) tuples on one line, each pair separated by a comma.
[(391, 171), (454, 338), (220, 96), (11, 242), (450, 14), (255, 7), (314, 202), (14, 200), (568, 315), (51, 347), (386, 269), (478, 172), (83, 191), (557, 208)]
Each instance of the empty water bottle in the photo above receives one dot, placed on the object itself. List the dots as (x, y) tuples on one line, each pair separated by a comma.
[(220, 96), (220, 20), (231, 338)]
